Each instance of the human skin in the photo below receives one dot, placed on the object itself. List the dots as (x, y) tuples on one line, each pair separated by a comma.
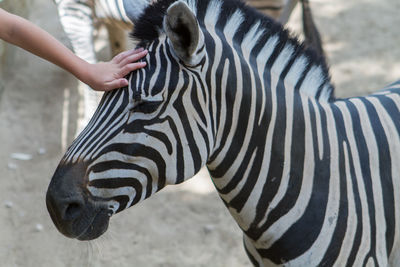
[(103, 76)]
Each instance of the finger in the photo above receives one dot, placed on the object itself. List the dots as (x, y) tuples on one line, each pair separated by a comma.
[(133, 58), (117, 59), (131, 67), (115, 84), (138, 50), (121, 56)]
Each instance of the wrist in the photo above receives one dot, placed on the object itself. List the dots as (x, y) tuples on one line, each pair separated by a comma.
[(84, 73)]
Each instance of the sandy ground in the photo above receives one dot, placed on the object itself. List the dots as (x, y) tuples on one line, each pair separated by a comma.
[(183, 225)]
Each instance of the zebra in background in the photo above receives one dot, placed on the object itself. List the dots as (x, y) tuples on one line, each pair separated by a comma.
[(310, 179)]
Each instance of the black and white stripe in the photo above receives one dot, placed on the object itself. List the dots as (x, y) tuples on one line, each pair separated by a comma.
[(310, 179), (78, 19)]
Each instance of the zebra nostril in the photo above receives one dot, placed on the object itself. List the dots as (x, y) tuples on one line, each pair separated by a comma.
[(72, 211)]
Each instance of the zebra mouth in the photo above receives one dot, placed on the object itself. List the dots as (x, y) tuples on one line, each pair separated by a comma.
[(96, 227), (75, 213)]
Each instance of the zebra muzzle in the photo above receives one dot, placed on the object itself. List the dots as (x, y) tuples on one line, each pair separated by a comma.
[(72, 209)]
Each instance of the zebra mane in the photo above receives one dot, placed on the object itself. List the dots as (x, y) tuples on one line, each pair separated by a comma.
[(149, 26)]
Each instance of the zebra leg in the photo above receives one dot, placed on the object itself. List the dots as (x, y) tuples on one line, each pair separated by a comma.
[(312, 36), (311, 33), (272, 8), (287, 11)]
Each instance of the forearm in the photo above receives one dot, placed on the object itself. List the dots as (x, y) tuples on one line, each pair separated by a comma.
[(101, 76), (35, 40)]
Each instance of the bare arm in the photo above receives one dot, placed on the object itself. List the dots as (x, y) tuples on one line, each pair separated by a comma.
[(102, 76)]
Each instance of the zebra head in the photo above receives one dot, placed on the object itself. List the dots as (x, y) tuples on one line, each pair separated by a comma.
[(153, 133)]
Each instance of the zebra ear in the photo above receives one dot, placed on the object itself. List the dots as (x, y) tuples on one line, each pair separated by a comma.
[(182, 29)]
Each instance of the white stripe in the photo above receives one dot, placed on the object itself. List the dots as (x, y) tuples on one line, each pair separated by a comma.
[(124, 17), (65, 118), (120, 173), (140, 161), (156, 74), (211, 18), (326, 93), (212, 14), (79, 147), (222, 107), (312, 81), (232, 25), (318, 123), (250, 40), (106, 133), (99, 128), (262, 59), (128, 191), (192, 5)]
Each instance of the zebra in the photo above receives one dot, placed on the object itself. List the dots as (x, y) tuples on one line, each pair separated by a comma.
[(78, 19), (310, 179)]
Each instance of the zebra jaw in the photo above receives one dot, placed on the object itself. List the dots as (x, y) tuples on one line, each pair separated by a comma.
[(74, 211)]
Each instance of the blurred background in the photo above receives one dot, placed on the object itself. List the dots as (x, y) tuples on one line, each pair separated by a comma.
[(185, 225)]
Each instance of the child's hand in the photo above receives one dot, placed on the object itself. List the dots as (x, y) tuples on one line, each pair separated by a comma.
[(106, 76)]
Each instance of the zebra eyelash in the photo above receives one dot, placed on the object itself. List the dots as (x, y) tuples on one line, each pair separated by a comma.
[(145, 107), (145, 104)]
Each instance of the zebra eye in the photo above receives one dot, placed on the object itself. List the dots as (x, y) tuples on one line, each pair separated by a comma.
[(145, 107)]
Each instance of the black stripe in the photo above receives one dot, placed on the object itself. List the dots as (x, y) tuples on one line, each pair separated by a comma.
[(385, 171), (140, 150), (118, 165), (118, 182), (359, 228), (179, 106)]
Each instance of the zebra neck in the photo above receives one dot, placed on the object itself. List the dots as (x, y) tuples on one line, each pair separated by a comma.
[(261, 137), (259, 85)]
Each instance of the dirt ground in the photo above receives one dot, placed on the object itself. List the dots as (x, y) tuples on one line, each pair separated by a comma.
[(184, 225)]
